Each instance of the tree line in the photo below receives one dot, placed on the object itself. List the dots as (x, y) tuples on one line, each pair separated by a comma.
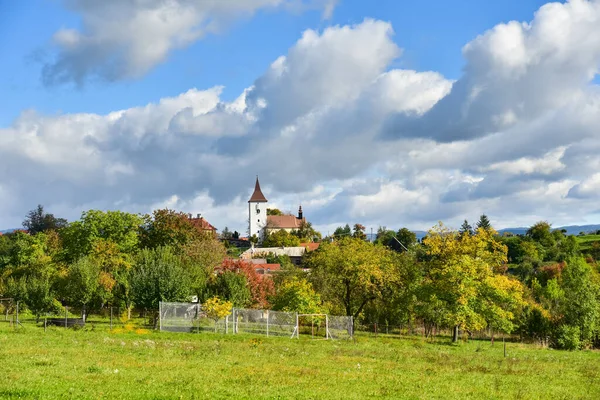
[(539, 286)]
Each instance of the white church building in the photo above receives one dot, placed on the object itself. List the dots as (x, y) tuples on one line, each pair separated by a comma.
[(261, 224)]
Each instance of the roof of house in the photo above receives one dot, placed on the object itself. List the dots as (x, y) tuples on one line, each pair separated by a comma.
[(266, 269), (202, 224), (257, 196), (310, 246), (284, 222)]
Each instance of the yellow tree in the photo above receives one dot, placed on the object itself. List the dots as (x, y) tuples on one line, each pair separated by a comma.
[(351, 273), (216, 309), (463, 279)]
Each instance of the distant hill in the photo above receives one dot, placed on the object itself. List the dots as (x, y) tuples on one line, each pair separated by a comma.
[(571, 229), (8, 230)]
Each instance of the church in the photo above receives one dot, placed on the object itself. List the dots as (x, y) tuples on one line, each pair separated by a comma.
[(261, 224)]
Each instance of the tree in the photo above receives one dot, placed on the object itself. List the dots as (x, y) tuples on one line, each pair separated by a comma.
[(297, 295), (281, 238), (226, 234), (406, 237), (158, 275), (82, 282), (466, 228), (232, 286), (541, 232), (119, 227), (341, 232), (484, 223), (217, 309), (350, 273), (306, 233), (39, 221), (261, 288), (200, 259), (169, 228), (274, 211), (359, 232), (460, 278)]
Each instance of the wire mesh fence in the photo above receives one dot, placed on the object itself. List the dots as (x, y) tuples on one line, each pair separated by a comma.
[(189, 317)]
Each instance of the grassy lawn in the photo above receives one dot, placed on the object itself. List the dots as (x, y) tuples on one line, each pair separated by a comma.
[(585, 241), (95, 364)]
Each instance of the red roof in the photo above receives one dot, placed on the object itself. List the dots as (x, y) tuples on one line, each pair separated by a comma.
[(310, 246), (202, 224), (284, 221), (257, 196), (266, 269)]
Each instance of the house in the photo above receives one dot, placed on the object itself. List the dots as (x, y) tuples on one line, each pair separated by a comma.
[(261, 224), (294, 253), (202, 225)]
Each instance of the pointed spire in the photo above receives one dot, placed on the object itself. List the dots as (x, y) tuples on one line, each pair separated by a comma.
[(257, 196), (300, 212)]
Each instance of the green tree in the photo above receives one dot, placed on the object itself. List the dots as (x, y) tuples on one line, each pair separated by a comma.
[(169, 228), (82, 282), (341, 232), (297, 295), (231, 286), (484, 223), (274, 211), (541, 232), (350, 273), (119, 227), (281, 238), (159, 275), (466, 228), (39, 221), (406, 238)]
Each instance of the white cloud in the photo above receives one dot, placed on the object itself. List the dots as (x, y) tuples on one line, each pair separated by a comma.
[(331, 126), (126, 38)]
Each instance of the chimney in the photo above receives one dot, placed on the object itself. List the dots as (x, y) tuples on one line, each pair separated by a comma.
[(190, 215), (300, 212), (198, 216)]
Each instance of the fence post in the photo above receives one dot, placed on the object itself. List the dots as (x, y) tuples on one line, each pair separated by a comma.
[(66, 315), (17, 315), (267, 323), (111, 316), (227, 324), (159, 316), (297, 327), (326, 326), (351, 327)]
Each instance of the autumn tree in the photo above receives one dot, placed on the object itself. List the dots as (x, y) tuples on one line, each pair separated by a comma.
[(341, 232), (297, 295), (168, 228), (466, 228), (461, 279), (261, 288), (359, 232), (350, 273), (274, 211), (217, 309)]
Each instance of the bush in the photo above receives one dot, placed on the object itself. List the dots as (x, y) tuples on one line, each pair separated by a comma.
[(568, 338)]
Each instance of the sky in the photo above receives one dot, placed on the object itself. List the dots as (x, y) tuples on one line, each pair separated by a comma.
[(385, 113)]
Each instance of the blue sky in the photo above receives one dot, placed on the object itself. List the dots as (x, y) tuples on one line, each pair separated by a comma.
[(431, 33), (371, 113)]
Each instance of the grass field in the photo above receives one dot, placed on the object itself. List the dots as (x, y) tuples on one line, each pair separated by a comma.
[(81, 364), (585, 241)]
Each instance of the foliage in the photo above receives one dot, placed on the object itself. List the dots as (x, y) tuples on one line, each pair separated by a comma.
[(159, 275), (297, 295), (306, 233), (274, 211), (359, 232), (341, 232), (350, 273), (484, 223), (217, 309), (281, 238), (168, 228), (261, 288), (38, 221), (232, 286), (118, 227)]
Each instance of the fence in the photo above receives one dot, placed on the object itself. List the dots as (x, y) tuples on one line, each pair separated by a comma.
[(189, 317)]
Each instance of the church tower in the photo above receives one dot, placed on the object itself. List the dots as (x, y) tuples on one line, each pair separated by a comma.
[(257, 212)]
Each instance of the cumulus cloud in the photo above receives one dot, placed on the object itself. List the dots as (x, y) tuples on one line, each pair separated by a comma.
[(126, 38), (332, 126)]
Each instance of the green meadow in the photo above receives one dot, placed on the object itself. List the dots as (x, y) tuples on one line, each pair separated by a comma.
[(586, 241), (136, 363)]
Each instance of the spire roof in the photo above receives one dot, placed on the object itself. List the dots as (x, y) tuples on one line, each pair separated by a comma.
[(257, 196)]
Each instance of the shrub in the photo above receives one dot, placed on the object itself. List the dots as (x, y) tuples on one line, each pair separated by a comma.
[(567, 338)]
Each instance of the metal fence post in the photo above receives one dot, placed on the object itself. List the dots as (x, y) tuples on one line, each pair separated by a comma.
[(159, 316), (267, 322), (297, 327), (111, 316), (66, 315)]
